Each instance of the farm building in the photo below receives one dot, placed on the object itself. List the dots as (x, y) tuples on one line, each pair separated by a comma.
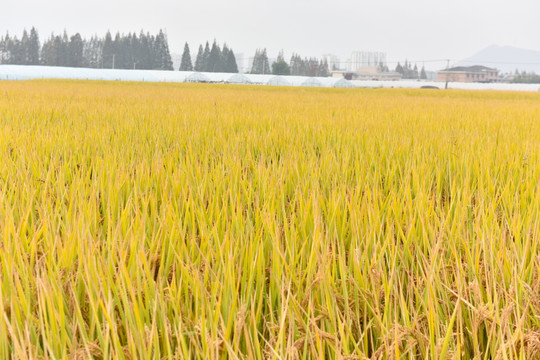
[(476, 73)]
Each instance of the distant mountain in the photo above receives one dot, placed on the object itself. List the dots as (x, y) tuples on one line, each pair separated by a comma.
[(505, 58)]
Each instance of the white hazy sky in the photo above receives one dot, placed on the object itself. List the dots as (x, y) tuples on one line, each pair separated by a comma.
[(413, 29)]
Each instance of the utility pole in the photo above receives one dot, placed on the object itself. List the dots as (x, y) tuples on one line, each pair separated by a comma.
[(114, 55), (447, 67)]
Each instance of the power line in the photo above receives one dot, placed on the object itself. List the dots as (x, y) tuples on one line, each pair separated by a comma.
[(500, 62), (430, 61)]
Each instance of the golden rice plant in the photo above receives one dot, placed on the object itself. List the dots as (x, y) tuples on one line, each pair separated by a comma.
[(181, 221)]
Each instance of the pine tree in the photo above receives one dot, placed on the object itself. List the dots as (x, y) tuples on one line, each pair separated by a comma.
[(48, 52), (24, 49), (161, 54), (407, 71), (265, 63), (63, 46), (230, 62), (295, 64), (144, 55), (124, 52), (116, 60), (399, 69), (312, 67), (206, 57), (414, 74), (260, 63), (214, 59), (308, 66), (92, 52), (16, 53), (324, 71), (108, 51), (186, 65), (199, 62), (33, 47), (135, 45), (55, 51), (76, 48), (59, 53), (224, 55), (423, 74), (4, 52), (280, 66), (254, 64)]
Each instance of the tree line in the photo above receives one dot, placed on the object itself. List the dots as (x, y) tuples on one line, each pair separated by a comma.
[(409, 72), (297, 65), (142, 51), (210, 59), (24, 51), (526, 78), (131, 51)]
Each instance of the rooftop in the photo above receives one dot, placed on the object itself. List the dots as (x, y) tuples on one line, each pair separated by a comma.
[(474, 68)]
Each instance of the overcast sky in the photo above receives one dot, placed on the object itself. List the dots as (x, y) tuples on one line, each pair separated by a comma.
[(413, 29)]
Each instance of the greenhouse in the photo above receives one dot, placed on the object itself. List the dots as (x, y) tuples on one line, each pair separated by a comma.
[(164, 76), (217, 77), (342, 83), (278, 81), (259, 79), (295, 80), (27, 72), (311, 82), (332, 82), (197, 77), (240, 79)]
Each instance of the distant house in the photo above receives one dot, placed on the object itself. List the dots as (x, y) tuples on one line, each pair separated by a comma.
[(476, 73)]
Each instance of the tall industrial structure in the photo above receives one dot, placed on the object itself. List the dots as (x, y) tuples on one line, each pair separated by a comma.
[(361, 59)]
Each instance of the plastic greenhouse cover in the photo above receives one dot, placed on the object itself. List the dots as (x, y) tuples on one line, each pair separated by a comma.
[(22, 72)]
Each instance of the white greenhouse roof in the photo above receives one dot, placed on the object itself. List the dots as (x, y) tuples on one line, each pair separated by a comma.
[(342, 83), (238, 79), (312, 82), (278, 81), (416, 84), (334, 82), (259, 79), (218, 77), (21, 72), (197, 77)]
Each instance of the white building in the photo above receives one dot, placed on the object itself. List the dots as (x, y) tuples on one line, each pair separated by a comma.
[(360, 59), (332, 60)]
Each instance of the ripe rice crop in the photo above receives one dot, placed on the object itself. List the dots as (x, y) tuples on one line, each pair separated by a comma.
[(183, 221)]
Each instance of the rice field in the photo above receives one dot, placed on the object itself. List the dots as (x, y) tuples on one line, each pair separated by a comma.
[(183, 221)]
